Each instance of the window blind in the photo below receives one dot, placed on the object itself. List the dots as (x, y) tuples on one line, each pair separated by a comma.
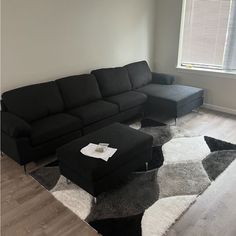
[(230, 51), (205, 33)]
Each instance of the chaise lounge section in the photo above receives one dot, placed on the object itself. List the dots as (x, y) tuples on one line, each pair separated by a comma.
[(163, 96), (37, 119)]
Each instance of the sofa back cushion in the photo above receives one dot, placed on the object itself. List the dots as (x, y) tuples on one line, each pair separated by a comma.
[(79, 90), (139, 73), (34, 101), (112, 81)]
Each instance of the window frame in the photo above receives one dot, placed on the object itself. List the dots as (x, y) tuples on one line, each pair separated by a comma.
[(180, 67)]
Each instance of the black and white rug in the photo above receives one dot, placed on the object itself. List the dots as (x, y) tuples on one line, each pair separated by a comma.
[(148, 203)]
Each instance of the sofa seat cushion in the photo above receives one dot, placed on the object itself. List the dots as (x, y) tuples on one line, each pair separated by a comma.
[(128, 100), (54, 126), (177, 95), (95, 111), (112, 81)]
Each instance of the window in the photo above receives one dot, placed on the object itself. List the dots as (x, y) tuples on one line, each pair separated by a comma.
[(208, 34)]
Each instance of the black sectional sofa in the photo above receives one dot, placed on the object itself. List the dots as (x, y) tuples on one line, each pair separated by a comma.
[(39, 118)]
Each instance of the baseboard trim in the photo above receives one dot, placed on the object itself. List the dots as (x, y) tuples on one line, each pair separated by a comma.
[(219, 108)]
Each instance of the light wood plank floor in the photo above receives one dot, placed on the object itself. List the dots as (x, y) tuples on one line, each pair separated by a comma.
[(211, 123), (28, 209)]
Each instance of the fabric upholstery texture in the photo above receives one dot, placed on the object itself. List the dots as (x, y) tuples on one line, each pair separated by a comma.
[(139, 73), (3, 106), (112, 81), (128, 100), (79, 90), (178, 94), (54, 126), (22, 151), (189, 106), (34, 101), (14, 126), (159, 78), (129, 142), (36, 119), (95, 111), (119, 117)]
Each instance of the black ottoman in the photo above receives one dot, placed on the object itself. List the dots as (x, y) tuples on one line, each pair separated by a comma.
[(134, 148)]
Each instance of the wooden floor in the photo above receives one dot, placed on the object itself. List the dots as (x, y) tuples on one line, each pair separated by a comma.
[(211, 123), (28, 209)]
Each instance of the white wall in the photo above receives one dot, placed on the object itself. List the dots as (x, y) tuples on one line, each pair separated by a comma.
[(46, 39), (220, 89)]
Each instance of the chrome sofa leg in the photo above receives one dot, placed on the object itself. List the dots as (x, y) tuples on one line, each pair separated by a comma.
[(175, 124), (196, 110), (95, 200), (146, 165)]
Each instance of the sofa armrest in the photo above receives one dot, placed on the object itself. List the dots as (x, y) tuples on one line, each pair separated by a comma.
[(14, 126), (158, 78)]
